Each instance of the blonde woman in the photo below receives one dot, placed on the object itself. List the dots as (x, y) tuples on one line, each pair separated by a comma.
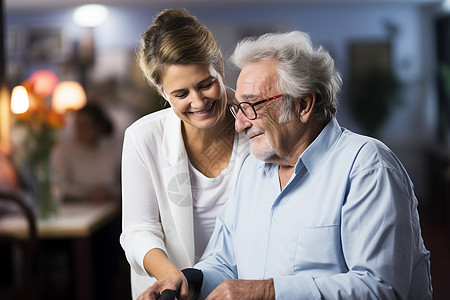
[(178, 164)]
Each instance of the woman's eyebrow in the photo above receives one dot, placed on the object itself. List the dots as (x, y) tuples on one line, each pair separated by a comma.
[(206, 79), (182, 90), (199, 83)]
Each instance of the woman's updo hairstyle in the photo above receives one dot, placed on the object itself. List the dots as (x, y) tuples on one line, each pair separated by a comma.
[(176, 37)]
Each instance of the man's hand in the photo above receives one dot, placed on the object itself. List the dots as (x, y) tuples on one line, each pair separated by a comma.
[(238, 289), (177, 283)]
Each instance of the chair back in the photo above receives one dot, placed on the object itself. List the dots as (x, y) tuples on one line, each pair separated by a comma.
[(24, 249)]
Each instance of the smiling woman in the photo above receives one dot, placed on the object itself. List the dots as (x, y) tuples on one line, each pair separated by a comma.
[(195, 93), (179, 164)]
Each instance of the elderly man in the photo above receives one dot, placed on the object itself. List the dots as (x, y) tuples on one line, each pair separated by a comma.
[(318, 212)]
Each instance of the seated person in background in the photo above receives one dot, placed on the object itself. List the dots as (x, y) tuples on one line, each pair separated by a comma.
[(87, 164), (87, 168), (318, 212)]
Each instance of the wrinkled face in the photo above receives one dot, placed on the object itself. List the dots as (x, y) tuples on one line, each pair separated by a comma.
[(269, 139), (196, 94)]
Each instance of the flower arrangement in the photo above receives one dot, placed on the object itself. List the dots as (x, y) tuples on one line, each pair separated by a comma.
[(40, 105), (41, 124)]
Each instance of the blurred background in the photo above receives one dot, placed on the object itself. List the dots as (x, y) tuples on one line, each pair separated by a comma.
[(394, 57)]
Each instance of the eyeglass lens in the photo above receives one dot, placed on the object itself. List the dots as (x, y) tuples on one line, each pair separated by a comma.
[(246, 108)]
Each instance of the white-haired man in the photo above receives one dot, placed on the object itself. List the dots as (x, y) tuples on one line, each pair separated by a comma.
[(318, 212)]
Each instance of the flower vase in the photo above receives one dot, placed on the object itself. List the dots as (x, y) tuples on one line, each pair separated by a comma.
[(46, 191)]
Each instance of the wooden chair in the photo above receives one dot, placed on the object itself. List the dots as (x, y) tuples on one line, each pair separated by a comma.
[(22, 283)]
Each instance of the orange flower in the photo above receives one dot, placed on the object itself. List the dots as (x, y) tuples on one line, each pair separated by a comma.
[(55, 119), (41, 122)]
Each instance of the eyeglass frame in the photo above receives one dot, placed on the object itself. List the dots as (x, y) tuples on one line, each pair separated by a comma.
[(252, 105)]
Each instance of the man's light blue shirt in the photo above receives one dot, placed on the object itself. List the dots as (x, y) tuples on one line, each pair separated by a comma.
[(346, 225)]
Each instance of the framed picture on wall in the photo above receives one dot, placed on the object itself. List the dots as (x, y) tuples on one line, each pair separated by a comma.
[(367, 56), (15, 41), (45, 44)]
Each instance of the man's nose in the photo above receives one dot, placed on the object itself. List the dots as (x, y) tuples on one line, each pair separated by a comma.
[(241, 123)]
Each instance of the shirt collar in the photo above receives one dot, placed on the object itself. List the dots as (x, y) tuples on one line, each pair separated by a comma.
[(314, 156)]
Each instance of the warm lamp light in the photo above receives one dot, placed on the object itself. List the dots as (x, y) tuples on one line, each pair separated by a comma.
[(68, 95), (19, 100)]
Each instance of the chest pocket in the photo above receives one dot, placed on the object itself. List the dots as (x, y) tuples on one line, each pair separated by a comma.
[(319, 248)]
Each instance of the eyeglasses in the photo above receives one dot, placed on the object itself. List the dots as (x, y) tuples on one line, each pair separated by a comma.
[(248, 109)]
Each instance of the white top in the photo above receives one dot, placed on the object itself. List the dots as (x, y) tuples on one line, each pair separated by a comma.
[(156, 193), (209, 195)]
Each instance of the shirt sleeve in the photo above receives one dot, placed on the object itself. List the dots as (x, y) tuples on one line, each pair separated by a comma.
[(377, 238), (141, 226), (218, 263)]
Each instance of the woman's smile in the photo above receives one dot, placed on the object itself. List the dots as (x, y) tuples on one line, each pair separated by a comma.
[(205, 111)]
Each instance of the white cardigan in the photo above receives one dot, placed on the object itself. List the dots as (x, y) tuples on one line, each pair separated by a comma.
[(156, 192)]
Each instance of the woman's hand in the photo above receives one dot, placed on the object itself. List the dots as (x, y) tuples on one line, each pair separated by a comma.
[(173, 281)]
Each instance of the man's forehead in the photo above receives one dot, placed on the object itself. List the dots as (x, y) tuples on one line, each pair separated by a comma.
[(249, 91), (257, 78), (254, 83)]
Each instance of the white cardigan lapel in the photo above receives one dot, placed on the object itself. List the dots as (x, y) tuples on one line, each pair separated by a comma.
[(177, 183)]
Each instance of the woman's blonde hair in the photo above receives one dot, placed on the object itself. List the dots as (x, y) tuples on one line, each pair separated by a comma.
[(176, 37)]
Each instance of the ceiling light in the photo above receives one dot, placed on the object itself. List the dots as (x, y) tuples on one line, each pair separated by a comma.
[(90, 15), (446, 5)]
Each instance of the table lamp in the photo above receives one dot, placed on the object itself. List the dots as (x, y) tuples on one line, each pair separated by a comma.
[(19, 100), (68, 95)]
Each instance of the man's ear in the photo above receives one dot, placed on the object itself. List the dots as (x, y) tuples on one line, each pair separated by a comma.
[(306, 107)]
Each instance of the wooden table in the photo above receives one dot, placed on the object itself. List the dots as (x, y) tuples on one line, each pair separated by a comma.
[(77, 222)]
